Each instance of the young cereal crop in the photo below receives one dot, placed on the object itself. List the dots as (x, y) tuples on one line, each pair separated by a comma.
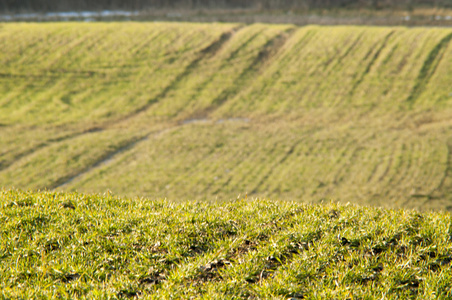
[(209, 111), (78, 246)]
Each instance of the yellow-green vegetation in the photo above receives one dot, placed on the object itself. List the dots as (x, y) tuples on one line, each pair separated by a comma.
[(207, 111), (77, 246)]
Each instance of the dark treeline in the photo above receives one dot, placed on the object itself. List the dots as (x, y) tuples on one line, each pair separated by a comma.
[(79, 5)]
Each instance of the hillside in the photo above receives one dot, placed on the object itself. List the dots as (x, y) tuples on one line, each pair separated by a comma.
[(210, 111), (76, 246)]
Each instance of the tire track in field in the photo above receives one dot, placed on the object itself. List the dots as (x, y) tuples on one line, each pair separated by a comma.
[(419, 193), (399, 170), (195, 167), (251, 172), (111, 155), (243, 45), (345, 54), (201, 86), (200, 242), (133, 48), (376, 167), (293, 247), (404, 173), (275, 167), (444, 187), (69, 136), (232, 172), (285, 59), (268, 51), (87, 41), (278, 163), (388, 167), (346, 162), (428, 69), (22, 52), (47, 143), (107, 156), (371, 62), (297, 48), (283, 244), (211, 184), (340, 168), (209, 51), (73, 135), (257, 237)]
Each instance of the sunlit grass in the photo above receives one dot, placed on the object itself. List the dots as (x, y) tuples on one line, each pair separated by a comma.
[(210, 111), (83, 246)]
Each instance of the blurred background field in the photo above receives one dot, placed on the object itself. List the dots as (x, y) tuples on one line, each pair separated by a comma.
[(209, 111)]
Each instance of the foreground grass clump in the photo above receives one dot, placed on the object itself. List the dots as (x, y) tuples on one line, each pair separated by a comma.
[(60, 245)]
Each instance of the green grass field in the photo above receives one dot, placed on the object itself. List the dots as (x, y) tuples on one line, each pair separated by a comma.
[(225, 115), (76, 246), (211, 111)]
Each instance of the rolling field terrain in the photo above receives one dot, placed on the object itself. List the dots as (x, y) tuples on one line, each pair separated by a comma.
[(77, 246), (210, 111)]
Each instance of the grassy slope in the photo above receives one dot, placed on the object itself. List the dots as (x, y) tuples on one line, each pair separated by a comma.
[(75, 246), (359, 114)]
